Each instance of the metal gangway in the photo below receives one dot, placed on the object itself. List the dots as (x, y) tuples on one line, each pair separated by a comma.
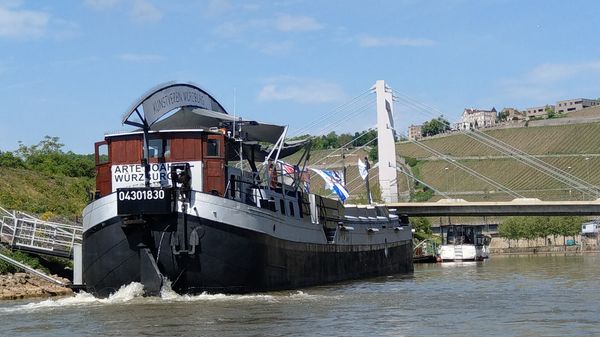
[(19, 230)]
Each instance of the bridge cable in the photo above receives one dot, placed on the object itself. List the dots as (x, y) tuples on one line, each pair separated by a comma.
[(535, 163)]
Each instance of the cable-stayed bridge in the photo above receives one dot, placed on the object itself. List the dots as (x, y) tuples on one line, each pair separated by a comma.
[(549, 177)]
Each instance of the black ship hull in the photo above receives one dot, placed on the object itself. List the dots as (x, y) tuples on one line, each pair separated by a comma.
[(224, 258)]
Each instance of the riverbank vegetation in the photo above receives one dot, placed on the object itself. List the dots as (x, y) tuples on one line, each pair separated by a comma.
[(43, 179), (533, 227), (22, 257)]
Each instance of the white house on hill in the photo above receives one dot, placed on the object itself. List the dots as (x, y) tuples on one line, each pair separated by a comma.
[(476, 118)]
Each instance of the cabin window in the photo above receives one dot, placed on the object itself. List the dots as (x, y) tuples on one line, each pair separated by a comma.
[(167, 148), (212, 148), (102, 154), (291, 208), (282, 206), (155, 148), (232, 186)]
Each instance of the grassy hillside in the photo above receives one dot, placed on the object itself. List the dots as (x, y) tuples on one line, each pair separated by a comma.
[(565, 147), (539, 140), (572, 148), (36, 192)]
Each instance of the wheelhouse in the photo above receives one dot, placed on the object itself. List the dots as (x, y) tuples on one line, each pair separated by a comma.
[(464, 235), (119, 160)]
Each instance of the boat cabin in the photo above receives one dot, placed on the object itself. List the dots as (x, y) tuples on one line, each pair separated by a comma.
[(464, 235), (119, 160)]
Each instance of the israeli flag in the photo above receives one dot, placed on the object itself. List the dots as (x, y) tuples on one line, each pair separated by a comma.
[(362, 169), (333, 182)]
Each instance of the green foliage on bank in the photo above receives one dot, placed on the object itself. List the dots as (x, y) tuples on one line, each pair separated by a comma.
[(24, 258), (332, 140), (533, 227), (42, 178), (48, 157)]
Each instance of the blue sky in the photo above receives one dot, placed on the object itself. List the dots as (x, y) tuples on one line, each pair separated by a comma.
[(71, 68)]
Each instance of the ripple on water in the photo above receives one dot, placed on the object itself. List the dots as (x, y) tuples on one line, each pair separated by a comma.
[(134, 293)]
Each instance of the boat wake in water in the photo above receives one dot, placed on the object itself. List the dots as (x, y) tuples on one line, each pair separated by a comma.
[(133, 293)]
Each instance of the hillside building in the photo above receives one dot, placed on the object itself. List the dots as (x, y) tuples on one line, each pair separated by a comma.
[(513, 115), (415, 132), (539, 111), (476, 118), (575, 104)]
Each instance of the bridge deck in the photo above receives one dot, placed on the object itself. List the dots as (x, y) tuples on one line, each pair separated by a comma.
[(449, 207)]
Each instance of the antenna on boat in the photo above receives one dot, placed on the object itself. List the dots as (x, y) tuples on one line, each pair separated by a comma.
[(239, 139), (146, 147)]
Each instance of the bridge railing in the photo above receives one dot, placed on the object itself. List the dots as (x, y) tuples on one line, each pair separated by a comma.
[(23, 231)]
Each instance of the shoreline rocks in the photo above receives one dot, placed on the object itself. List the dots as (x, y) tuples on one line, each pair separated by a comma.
[(21, 285)]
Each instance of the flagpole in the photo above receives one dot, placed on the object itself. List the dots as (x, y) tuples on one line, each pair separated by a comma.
[(368, 166), (344, 167)]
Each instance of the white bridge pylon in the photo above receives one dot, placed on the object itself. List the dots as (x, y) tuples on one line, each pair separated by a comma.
[(386, 143)]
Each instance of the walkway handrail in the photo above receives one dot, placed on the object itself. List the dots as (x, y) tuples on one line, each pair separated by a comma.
[(23, 231), (31, 270)]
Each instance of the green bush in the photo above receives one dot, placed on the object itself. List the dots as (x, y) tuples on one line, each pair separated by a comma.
[(422, 196), (412, 162), (22, 257)]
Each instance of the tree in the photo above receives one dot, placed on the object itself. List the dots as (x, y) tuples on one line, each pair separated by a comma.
[(503, 115), (345, 139), (366, 137), (510, 229), (331, 141), (550, 112), (45, 146), (8, 159), (435, 126), (516, 228), (374, 154), (47, 156), (422, 225)]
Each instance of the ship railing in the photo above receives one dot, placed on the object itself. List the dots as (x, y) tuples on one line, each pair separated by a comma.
[(242, 184), (425, 247), (23, 231)]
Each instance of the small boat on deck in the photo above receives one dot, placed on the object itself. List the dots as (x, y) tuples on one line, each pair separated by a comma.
[(463, 243), (198, 197)]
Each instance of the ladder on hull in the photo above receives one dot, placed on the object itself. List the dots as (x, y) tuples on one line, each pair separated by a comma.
[(458, 253)]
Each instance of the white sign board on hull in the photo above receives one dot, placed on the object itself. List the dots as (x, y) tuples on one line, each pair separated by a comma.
[(132, 175)]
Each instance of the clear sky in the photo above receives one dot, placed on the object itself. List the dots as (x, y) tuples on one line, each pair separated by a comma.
[(71, 68)]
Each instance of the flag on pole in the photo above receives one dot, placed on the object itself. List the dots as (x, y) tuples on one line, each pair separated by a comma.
[(333, 182), (362, 169), (287, 168)]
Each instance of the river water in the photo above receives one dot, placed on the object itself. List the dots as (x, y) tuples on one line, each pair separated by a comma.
[(503, 296)]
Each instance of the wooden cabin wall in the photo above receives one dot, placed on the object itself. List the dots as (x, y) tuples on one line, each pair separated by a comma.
[(127, 150), (182, 148), (186, 148)]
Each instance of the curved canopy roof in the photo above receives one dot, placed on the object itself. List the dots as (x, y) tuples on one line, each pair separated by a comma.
[(194, 109), (166, 97), (196, 118)]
